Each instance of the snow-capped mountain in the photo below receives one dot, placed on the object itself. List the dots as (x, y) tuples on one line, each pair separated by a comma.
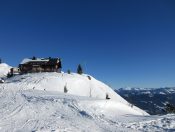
[(152, 100), (4, 69)]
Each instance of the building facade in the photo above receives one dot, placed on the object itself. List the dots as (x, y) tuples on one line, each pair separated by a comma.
[(35, 65)]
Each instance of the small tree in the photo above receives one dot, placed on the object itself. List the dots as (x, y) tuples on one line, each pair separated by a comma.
[(33, 58), (89, 77), (65, 89), (80, 69), (68, 71), (107, 96), (0, 61)]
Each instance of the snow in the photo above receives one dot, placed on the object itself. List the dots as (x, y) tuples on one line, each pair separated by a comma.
[(76, 84), (36, 102), (153, 123), (26, 60), (162, 93), (4, 69)]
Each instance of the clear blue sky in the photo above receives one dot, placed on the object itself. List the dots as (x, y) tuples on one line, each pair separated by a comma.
[(121, 42)]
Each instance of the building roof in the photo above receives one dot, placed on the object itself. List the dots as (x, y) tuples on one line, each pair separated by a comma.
[(27, 60)]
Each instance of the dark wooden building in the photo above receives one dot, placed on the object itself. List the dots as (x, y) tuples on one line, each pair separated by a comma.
[(40, 65)]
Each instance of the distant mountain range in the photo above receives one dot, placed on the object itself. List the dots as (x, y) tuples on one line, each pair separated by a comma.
[(152, 100)]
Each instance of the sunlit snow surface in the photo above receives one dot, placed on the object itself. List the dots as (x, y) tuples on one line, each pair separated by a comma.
[(36, 102), (4, 69)]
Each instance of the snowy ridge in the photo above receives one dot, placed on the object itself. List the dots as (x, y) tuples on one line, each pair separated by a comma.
[(168, 89)]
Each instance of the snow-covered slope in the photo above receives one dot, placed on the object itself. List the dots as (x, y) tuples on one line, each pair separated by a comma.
[(53, 111), (76, 84), (33, 102), (36, 102), (4, 69)]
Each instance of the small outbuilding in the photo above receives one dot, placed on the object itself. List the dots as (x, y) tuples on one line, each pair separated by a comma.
[(33, 65)]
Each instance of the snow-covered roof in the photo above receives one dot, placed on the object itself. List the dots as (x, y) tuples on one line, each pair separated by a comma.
[(26, 60)]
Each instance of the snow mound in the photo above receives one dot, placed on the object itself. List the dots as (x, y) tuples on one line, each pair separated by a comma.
[(76, 84), (4, 69)]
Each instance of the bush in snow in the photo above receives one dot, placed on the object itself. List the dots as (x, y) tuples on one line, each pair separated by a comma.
[(0, 61), (80, 69), (89, 77)]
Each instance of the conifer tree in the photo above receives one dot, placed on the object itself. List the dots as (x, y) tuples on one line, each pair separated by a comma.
[(65, 89), (68, 71), (34, 58), (80, 69), (107, 96)]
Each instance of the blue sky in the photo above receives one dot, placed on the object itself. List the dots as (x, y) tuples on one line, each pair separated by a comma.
[(121, 42)]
